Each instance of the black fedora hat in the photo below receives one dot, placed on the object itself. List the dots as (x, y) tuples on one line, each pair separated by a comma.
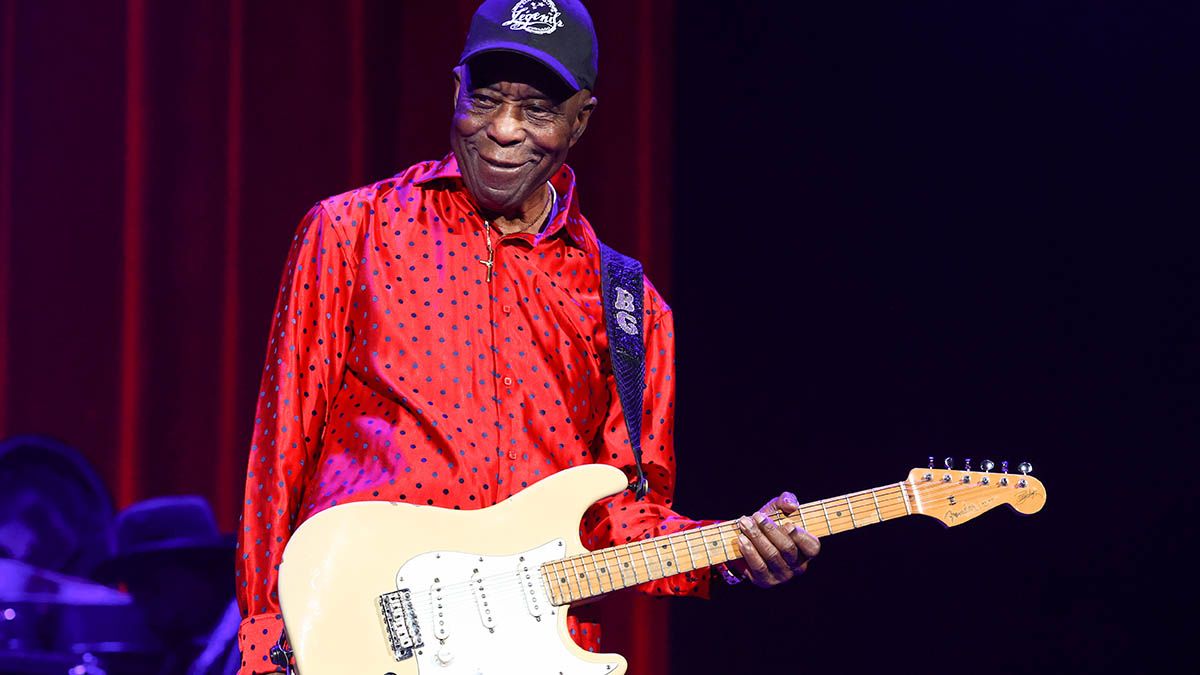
[(177, 527)]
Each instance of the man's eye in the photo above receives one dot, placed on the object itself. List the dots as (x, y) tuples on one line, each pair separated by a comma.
[(539, 112), (482, 101)]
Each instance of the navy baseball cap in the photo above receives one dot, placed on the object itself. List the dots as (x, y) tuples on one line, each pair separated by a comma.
[(555, 33)]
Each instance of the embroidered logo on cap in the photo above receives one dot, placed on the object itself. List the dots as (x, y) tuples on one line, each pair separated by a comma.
[(540, 17)]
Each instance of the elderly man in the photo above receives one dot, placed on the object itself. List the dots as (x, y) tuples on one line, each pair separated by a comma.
[(439, 336)]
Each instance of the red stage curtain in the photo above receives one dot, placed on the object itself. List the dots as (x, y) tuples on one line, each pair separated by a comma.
[(155, 158)]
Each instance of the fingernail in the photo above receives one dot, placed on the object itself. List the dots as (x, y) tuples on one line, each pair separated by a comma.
[(760, 518), (790, 527), (743, 542), (745, 523)]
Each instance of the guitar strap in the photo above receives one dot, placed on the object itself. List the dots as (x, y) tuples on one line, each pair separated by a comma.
[(621, 289)]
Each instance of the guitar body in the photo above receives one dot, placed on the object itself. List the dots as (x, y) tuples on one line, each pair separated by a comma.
[(371, 588)]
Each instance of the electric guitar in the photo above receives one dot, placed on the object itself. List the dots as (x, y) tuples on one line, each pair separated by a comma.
[(385, 588)]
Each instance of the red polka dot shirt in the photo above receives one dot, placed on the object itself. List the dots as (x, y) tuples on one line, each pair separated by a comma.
[(396, 371)]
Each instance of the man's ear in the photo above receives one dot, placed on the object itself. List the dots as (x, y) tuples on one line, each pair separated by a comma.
[(579, 124), (457, 71)]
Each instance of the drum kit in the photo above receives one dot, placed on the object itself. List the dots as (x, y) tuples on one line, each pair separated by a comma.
[(55, 528), (56, 623)]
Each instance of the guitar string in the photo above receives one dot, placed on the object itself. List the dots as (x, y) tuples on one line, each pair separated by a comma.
[(688, 538), (928, 491), (500, 583)]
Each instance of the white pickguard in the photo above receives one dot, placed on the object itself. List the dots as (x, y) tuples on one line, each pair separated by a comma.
[(351, 570), (488, 615)]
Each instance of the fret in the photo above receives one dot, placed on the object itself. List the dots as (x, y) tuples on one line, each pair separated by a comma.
[(621, 568), (582, 575), (826, 512), (904, 498), (850, 509), (626, 565), (875, 499), (674, 554), (595, 571), (704, 547), (645, 557), (608, 568), (572, 596), (688, 545), (802, 522), (551, 578), (733, 554), (662, 568), (715, 539)]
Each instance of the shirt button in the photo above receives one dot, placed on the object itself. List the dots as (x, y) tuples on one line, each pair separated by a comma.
[(512, 454), (508, 381)]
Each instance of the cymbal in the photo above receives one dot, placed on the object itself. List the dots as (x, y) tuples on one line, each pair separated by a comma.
[(21, 582)]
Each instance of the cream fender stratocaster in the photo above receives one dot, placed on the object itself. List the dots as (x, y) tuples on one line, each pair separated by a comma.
[(372, 588)]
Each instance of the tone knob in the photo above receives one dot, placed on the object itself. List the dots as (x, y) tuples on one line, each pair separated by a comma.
[(444, 656)]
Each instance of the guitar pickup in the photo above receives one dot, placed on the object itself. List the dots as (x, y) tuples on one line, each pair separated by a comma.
[(481, 601), (400, 621), (529, 578)]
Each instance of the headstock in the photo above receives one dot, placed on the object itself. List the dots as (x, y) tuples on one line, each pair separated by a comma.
[(956, 496)]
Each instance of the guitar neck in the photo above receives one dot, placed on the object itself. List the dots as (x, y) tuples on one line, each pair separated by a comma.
[(595, 573)]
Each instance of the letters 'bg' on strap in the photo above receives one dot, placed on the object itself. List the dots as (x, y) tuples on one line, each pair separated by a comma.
[(621, 288)]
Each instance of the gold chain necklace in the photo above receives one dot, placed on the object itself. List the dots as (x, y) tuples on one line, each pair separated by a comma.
[(487, 234)]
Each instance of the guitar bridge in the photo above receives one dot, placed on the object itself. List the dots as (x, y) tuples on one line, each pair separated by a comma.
[(400, 620)]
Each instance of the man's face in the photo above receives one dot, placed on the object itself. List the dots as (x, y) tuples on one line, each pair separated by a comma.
[(514, 122)]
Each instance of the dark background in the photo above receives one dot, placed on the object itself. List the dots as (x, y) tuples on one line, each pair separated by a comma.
[(950, 229), (888, 230)]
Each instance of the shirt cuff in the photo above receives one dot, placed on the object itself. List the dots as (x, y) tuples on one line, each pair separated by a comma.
[(257, 634)]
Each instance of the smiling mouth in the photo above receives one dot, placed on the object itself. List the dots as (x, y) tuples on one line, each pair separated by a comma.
[(503, 166)]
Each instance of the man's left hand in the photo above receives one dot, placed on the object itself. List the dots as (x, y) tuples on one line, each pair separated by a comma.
[(773, 553)]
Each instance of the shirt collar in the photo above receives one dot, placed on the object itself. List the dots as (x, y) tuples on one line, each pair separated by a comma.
[(568, 219)]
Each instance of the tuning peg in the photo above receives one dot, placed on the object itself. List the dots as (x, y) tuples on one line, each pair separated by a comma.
[(1025, 467), (968, 464), (1004, 466), (949, 462), (931, 461), (988, 465)]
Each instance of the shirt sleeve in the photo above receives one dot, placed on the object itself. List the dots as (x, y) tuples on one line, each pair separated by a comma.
[(622, 518), (310, 333)]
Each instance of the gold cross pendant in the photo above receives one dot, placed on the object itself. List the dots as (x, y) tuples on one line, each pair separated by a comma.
[(491, 259)]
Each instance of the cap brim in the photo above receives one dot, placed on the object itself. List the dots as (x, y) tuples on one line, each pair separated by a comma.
[(533, 53)]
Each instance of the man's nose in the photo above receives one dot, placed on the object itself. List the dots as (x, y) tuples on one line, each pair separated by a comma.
[(505, 126)]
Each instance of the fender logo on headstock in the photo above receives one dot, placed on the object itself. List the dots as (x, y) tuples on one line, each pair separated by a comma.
[(968, 509)]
